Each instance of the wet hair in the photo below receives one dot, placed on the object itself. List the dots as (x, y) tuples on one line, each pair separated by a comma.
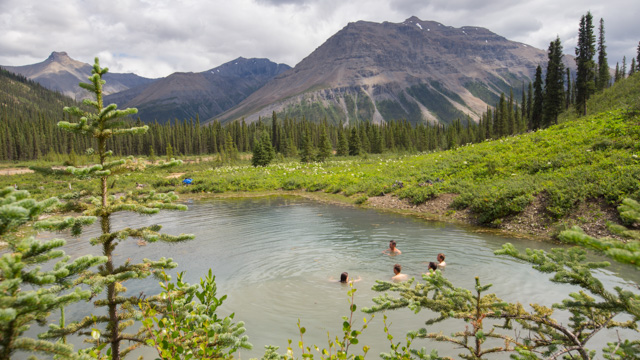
[(343, 277), (392, 242), (397, 267), (441, 257), (433, 266)]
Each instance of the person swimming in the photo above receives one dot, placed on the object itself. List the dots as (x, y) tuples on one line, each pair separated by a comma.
[(344, 278), (441, 264), (392, 250), (432, 268), (399, 276)]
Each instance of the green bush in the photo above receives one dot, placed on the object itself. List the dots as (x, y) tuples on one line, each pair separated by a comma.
[(418, 194)]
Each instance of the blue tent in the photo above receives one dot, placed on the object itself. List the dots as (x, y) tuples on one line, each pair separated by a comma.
[(187, 181)]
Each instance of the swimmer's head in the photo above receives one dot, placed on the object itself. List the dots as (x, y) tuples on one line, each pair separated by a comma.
[(397, 268), (440, 257), (392, 244), (344, 277), (433, 266)]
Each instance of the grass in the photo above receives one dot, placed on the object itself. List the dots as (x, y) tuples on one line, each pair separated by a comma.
[(593, 157)]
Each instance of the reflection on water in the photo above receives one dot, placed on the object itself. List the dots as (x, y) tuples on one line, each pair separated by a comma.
[(274, 257)]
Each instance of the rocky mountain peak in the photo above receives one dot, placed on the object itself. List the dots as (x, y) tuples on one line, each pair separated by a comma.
[(60, 72), (421, 71), (58, 56)]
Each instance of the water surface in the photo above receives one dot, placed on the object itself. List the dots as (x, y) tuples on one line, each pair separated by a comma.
[(274, 257)]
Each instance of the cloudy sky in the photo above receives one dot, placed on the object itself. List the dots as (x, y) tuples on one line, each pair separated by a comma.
[(155, 38)]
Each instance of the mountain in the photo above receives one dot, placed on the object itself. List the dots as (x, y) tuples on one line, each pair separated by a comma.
[(25, 100), (207, 93), (61, 73), (415, 70)]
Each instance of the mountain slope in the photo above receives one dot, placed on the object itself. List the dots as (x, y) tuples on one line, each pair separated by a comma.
[(206, 94), (22, 98), (61, 73), (417, 70)]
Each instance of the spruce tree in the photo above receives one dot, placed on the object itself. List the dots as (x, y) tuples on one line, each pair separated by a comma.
[(585, 51), (263, 152), (102, 124), (169, 153), (275, 132), (290, 149), (354, 142), (529, 104), (343, 143), (623, 70), (522, 125), (230, 148), (325, 150), (29, 294), (632, 68), (554, 84), (538, 100), (377, 146), (511, 126), (499, 125), (604, 77), (307, 151), (568, 100), (638, 57)]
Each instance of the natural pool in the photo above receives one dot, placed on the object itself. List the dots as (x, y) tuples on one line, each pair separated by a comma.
[(274, 257)]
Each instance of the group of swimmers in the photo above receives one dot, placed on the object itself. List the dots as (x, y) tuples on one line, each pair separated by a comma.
[(397, 268)]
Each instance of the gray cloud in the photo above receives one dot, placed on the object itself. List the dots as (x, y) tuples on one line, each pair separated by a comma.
[(156, 38)]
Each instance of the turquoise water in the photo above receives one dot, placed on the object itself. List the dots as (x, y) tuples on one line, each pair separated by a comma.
[(275, 257)]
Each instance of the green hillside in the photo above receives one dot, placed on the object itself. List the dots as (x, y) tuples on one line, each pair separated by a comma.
[(588, 160), (28, 114), (592, 158), (18, 92)]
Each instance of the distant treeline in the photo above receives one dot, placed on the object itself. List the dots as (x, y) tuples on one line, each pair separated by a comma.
[(28, 135), (28, 131), (29, 114)]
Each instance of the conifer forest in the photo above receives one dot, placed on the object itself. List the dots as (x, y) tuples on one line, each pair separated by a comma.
[(556, 160)]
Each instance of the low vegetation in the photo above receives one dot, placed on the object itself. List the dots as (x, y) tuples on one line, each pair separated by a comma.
[(594, 157)]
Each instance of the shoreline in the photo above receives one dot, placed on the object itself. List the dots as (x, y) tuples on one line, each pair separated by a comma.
[(386, 203)]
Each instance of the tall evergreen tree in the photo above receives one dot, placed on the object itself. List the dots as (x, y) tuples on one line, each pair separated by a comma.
[(568, 99), (307, 152), (638, 57), (325, 150), (530, 103), (274, 133), (511, 120), (499, 124), (585, 51), (102, 124), (538, 100), (522, 125), (554, 84), (230, 147), (354, 142), (29, 294), (604, 77), (623, 70), (632, 68), (263, 152), (617, 74), (343, 143)]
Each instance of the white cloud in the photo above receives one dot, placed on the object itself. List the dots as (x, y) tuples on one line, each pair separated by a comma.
[(156, 38)]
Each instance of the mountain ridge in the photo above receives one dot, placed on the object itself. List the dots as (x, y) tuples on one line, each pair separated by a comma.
[(420, 70), (59, 72), (204, 94)]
